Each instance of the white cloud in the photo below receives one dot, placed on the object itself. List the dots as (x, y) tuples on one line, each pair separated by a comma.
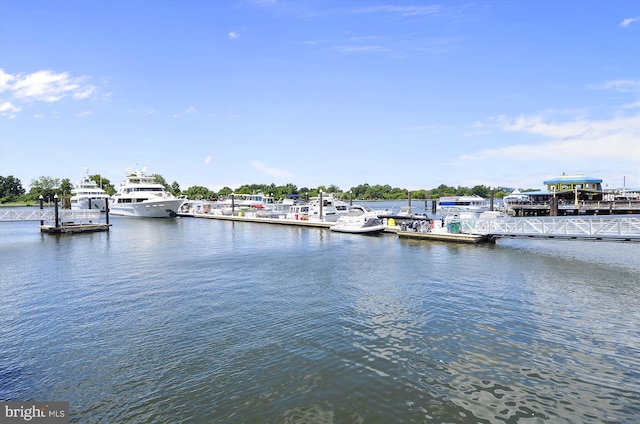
[(625, 23), (5, 80), (42, 86), (576, 140), (188, 110), (624, 86), (207, 160), (85, 113), (9, 107), (233, 35), (270, 171)]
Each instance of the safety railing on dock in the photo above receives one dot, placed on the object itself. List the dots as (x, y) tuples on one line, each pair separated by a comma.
[(616, 228), (64, 215)]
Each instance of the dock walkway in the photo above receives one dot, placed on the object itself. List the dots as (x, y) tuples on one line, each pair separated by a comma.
[(624, 228), (64, 215), (599, 228)]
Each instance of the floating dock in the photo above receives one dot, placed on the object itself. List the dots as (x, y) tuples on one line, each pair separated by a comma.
[(74, 228), (448, 237), (261, 220)]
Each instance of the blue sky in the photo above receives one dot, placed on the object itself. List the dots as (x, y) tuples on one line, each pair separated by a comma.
[(413, 94)]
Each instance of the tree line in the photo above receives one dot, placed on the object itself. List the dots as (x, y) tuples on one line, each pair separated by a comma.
[(12, 191)]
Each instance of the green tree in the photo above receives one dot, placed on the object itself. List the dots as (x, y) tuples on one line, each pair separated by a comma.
[(160, 180), (10, 189), (66, 187), (104, 183), (175, 188), (46, 187), (195, 192), (419, 194), (225, 191), (333, 189), (481, 190)]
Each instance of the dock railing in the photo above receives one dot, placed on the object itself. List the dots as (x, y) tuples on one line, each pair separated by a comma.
[(610, 227), (65, 215)]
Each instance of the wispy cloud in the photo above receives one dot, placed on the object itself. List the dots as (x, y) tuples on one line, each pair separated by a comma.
[(85, 113), (405, 11), (626, 22), (620, 85), (270, 171), (573, 139), (9, 109), (207, 160), (352, 49), (187, 111), (233, 35)]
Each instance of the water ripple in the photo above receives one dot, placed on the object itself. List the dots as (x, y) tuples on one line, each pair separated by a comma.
[(209, 321)]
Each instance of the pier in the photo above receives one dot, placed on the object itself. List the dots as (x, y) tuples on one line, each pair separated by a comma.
[(581, 208), (61, 221), (624, 228), (620, 228)]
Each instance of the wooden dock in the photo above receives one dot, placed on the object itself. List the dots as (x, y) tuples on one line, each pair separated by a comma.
[(260, 220), (447, 237), (74, 228)]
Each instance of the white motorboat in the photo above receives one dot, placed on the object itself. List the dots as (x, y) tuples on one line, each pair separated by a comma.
[(243, 203), (298, 212), (87, 195), (323, 208), (359, 220), (142, 196), (464, 207)]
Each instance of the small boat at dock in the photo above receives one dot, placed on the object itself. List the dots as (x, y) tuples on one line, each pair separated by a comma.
[(359, 220)]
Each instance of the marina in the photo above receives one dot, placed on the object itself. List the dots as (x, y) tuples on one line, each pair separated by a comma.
[(360, 212), (215, 320), (625, 228)]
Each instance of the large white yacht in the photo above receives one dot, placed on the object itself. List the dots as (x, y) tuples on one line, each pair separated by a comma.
[(141, 196), (87, 195)]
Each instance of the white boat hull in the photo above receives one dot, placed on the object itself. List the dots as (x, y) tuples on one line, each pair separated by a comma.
[(166, 208), (83, 204), (375, 229), (358, 224)]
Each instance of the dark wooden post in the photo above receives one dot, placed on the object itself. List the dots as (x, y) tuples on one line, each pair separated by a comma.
[(55, 202), (106, 209), (41, 199), (553, 211), (321, 206)]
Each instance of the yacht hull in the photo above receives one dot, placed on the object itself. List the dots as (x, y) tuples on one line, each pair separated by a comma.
[(167, 208)]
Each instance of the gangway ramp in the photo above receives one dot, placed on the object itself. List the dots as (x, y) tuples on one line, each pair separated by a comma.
[(625, 228), (64, 215)]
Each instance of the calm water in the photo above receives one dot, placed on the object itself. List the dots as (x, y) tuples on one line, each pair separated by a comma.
[(205, 321)]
